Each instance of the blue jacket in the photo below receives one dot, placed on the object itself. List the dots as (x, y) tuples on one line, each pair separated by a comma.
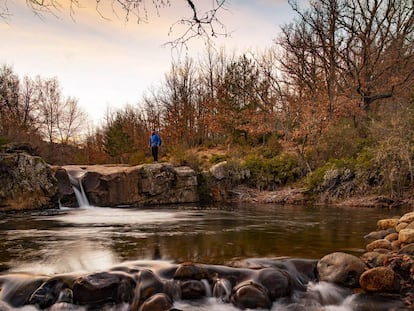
[(155, 140)]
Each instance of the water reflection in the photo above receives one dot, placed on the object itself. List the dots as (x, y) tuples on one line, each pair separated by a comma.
[(96, 238)]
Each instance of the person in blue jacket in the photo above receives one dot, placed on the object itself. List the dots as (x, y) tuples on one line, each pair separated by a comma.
[(154, 143)]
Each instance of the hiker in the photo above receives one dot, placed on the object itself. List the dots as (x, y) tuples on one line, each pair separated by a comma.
[(154, 143)]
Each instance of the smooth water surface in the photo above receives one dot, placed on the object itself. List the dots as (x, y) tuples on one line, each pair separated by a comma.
[(96, 238)]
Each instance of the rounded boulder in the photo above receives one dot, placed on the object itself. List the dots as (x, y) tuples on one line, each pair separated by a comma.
[(340, 268)]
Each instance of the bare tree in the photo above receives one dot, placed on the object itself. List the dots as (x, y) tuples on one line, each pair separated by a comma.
[(363, 49), (198, 23), (71, 121), (50, 102)]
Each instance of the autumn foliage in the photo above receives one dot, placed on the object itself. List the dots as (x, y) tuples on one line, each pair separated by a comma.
[(337, 84)]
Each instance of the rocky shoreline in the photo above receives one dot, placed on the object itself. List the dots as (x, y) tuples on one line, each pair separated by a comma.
[(28, 182), (380, 279)]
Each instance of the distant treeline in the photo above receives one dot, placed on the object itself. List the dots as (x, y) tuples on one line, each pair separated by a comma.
[(336, 86)]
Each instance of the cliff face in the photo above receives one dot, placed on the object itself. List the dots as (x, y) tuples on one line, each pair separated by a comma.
[(26, 181), (108, 185)]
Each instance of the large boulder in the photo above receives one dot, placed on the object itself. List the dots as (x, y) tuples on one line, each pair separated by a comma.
[(223, 178), (26, 181), (406, 236), (104, 287), (341, 268), (379, 279), (112, 185)]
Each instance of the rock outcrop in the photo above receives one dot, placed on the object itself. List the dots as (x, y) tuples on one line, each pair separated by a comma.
[(108, 185), (390, 258), (26, 181)]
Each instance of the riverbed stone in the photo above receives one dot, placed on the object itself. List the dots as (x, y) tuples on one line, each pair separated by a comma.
[(16, 289), (192, 289), (407, 249), (379, 244), (384, 224), (277, 282), (148, 284), (157, 302), (391, 237), (379, 279), (341, 268), (408, 217), (222, 289), (376, 235), (406, 236), (374, 259), (395, 245), (400, 226), (104, 287), (190, 271), (410, 225), (49, 292), (250, 295)]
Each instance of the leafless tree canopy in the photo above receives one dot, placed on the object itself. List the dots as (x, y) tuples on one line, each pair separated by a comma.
[(198, 23)]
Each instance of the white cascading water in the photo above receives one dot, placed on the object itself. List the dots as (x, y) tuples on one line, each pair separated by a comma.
[(76, 178)]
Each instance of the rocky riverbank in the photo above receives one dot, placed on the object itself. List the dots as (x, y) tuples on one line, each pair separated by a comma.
[(27, 182), (381, 279)]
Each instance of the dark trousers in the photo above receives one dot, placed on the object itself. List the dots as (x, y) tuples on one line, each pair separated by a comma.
[(154, 151)]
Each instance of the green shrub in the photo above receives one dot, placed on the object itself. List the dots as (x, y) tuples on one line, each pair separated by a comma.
[(179, 155), (267, 173), (217, 158), (3, 140), (316, 181), (138, 157)]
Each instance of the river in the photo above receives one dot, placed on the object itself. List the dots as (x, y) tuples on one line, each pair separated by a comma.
[(97, 238)]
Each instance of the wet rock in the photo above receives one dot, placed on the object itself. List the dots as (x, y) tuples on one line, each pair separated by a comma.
[(410, 225), (374, 259), (66, 296), (148, 284), (401, 226), (157, 302), (395, 245), (190, 271), (391, 237), (277, 282), (222, 289), (408, 218), (406, 236), (384, 224), (340, 268), (251, 295), (376, 235), (379, 244), (16, 289), (407, 249), (192, 289), (49, 292), (104, 287), (379, 279)]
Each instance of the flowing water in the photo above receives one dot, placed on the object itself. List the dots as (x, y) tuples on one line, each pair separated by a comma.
[(96, 238)]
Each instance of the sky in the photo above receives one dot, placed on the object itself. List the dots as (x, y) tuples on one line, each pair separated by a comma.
[(107, 62)]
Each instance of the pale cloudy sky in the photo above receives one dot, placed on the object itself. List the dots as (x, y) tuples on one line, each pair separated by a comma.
[(110, 63)]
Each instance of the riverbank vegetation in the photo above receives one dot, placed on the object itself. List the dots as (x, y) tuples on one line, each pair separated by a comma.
[(329, 107)]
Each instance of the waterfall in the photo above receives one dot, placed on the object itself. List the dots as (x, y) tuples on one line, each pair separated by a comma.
[(76, 177)]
